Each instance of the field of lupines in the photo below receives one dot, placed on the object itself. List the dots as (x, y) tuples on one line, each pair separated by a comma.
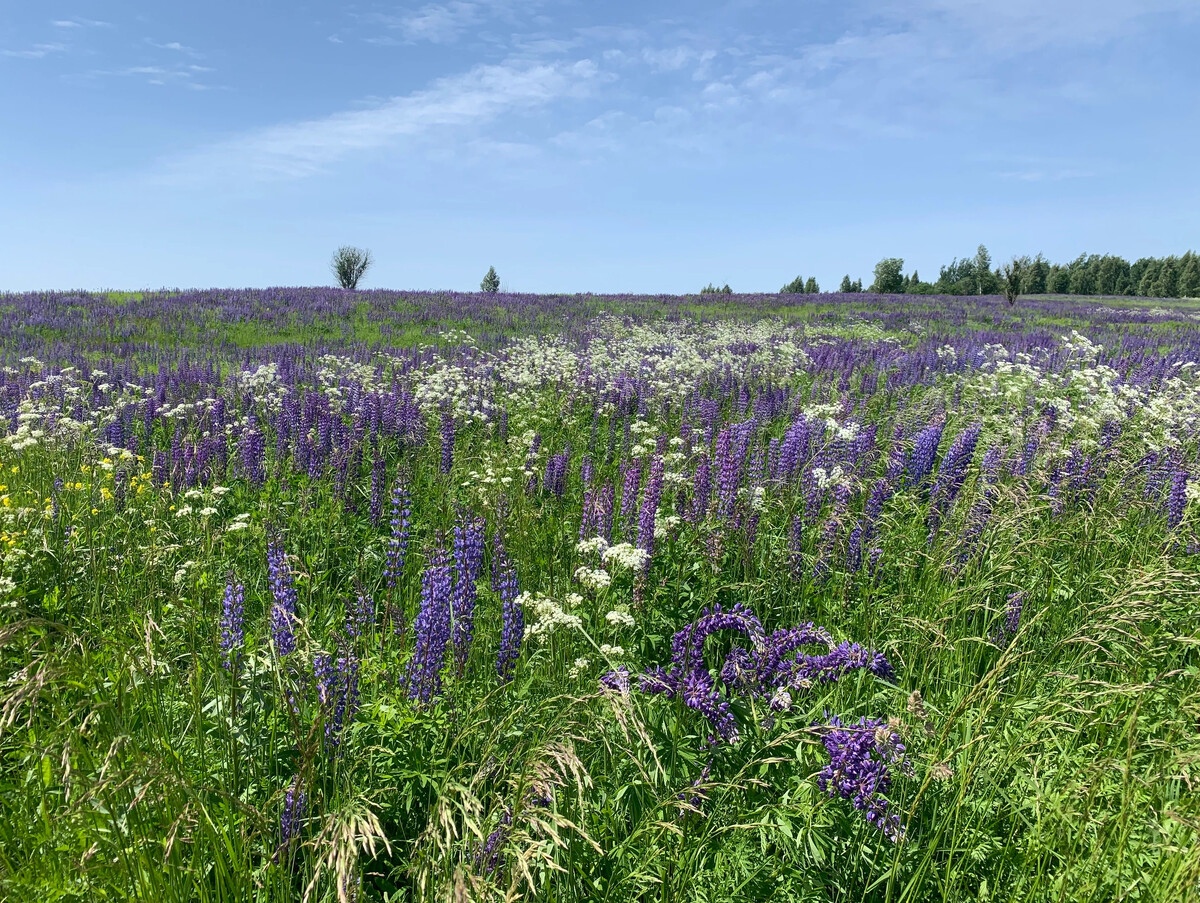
[(311, 595)]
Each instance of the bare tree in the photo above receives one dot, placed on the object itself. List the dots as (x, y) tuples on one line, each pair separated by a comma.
[(349, 264)]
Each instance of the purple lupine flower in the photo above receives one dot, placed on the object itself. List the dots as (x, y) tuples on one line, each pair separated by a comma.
[(796, 544), (447, 441), (631, 480), (858, 770), (397, 548), (512, 631), (1177, 498), (233, 628), (295, 804), (702, 491), (854, 549), (360, 614), (283, 592), (378, 476), (951, 474), (1012, 619), (468, 566), (650, 499), (586, 471), (432, 629), (924, 453)]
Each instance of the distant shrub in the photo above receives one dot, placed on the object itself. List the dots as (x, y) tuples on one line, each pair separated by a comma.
[(491, 281), (349, 264), (795, 287), (711, 289)]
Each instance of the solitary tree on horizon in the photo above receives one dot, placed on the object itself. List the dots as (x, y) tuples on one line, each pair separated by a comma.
[(491, 281), (349, 264)]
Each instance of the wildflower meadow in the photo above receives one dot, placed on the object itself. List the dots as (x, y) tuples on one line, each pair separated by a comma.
[(312, 595)]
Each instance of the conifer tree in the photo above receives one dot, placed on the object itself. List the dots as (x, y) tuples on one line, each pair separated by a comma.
[(491, 281)]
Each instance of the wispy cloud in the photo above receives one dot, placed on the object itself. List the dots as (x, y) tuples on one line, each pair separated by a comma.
[(448, 20), (177, 47), (80, 23), (302, 149), (36, 52)]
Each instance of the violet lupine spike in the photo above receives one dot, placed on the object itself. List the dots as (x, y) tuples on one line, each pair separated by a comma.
[(702, 491), (468, 567), (1012, 619), (860, 756), (295, 805), (233, 628), (447, 441), (650, 499), (1177, 498), (512, 631), (921, 460), (283, 593), (360, 615), (397, 549), (432, 630), (631, 481), (378, 475)]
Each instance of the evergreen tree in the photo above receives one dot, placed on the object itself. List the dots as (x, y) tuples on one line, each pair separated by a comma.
[(795, 287), (811, 287), (726, 290), (857, 286), (491, 281), (1035, 277), (889, 279), (1167, 283), (984, 281), (847, 285)]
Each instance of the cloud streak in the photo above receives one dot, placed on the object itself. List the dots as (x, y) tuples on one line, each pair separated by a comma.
[(302, 149)]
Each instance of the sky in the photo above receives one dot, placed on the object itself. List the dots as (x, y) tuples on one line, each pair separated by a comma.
[(583, 146)]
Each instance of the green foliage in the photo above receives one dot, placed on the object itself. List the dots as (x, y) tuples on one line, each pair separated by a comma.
[(491, 281), (349, 264), (889, 278), (811, 287), (711, 289), (795, 287)]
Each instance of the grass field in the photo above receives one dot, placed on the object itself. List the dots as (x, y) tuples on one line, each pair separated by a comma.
[(311, 595)]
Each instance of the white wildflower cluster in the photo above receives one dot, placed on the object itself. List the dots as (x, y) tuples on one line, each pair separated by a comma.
[(626, 556), (264, 385), (594, 546), (545, 615), (241, 522), (665, 523), (828, 477), (610, 651), (596, 579), (334, 370), (619, 618), (578, 667)]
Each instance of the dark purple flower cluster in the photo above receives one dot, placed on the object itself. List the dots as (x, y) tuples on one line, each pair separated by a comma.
[(650, 500), (447, 441), (397, 547), (773, 662), (468, 567), (1177, 498), (859, 759), (295, 805), (360, 614), (283, 593), (337, 692), (233, 627), (1012, 619), (512, 630), (432, 629)]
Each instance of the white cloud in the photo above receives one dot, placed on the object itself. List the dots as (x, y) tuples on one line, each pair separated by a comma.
[(80, 23), (177, 47), (36, 52), (302, 149)]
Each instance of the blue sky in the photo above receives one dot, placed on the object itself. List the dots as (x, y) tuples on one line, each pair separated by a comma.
[(584, 146)]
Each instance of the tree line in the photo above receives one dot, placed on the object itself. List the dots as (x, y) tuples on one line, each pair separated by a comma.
[(1087, 274)]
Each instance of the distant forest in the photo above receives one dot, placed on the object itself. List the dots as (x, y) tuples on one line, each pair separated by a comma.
[(1087, 274)]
